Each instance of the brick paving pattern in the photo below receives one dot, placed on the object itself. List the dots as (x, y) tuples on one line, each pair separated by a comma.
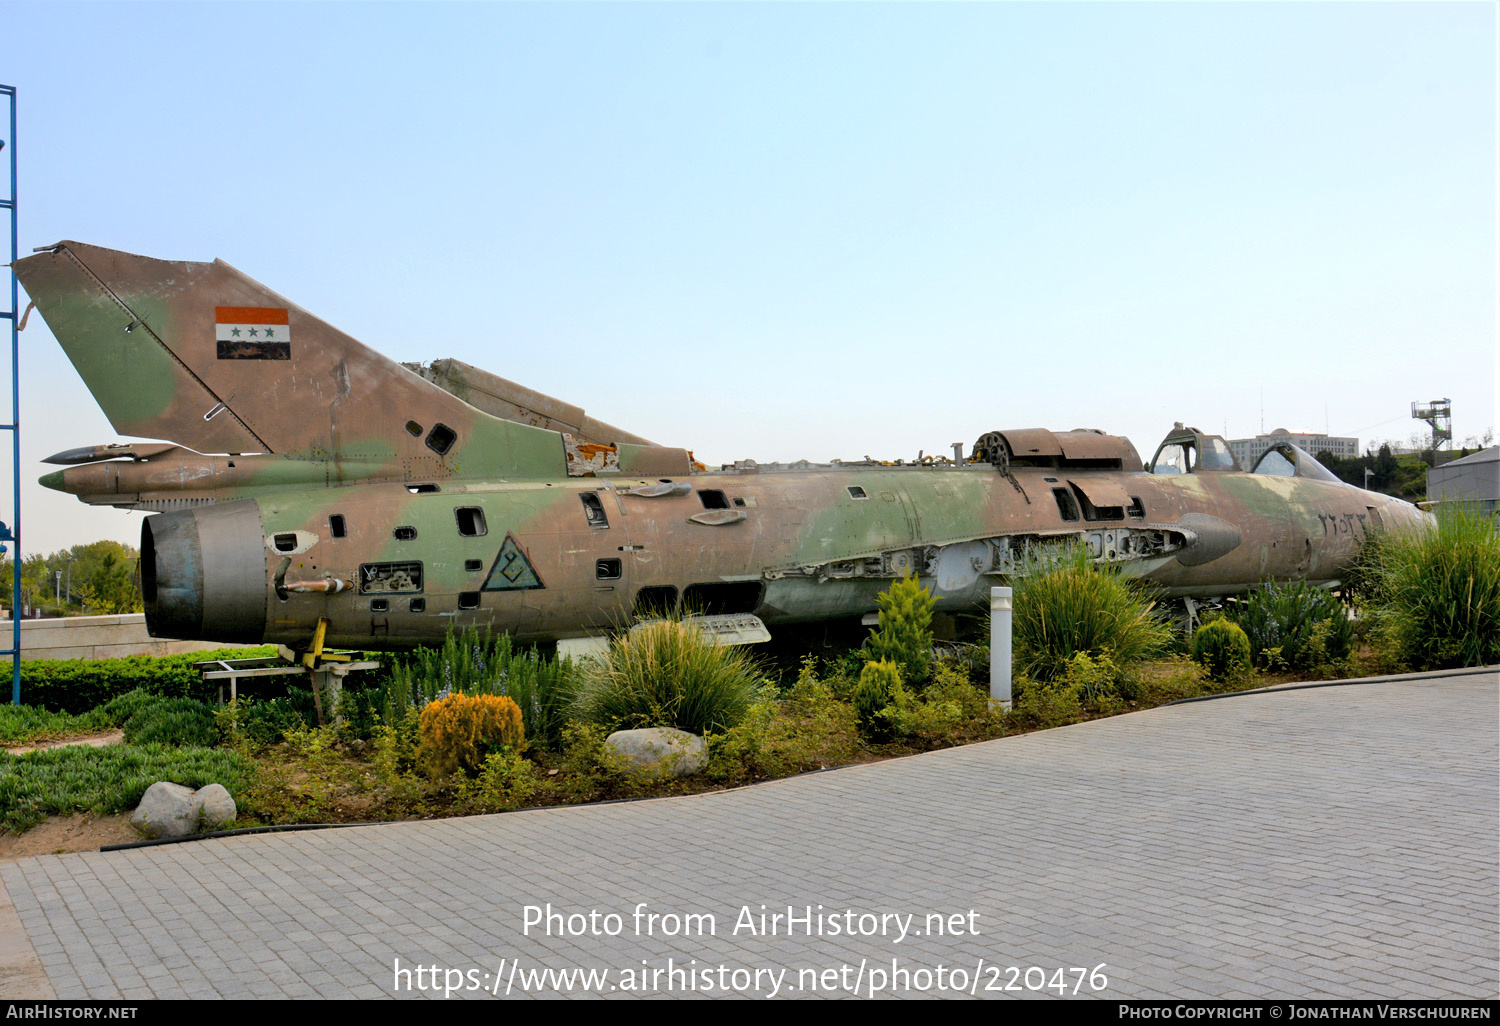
[(1336, 842)]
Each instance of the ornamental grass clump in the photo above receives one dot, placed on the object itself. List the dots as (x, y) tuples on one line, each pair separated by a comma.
[(1436, 592), (666, 674), (460, 731), (1068, 605)]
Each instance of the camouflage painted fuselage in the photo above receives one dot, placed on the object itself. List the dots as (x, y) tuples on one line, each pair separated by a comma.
[(355, 491)]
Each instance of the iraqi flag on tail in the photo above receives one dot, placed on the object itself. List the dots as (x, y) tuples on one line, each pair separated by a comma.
[(252, 333)]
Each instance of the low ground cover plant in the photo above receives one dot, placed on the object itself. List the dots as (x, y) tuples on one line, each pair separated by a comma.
[(106, 780), (29, 724)]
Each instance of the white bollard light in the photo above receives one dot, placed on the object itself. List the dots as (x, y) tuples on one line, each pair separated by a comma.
[(1000, 646)]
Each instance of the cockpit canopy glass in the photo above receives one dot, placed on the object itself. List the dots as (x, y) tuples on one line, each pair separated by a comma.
[(1287, 460), (1216, 455), (1189, 451), (1174, 458)]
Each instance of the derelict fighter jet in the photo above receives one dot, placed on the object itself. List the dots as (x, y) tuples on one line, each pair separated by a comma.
[(304, 479)]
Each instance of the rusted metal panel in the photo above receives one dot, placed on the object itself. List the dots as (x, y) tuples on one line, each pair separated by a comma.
[(1102, 491), (1096, 445), (1026, 442), (655, 461)]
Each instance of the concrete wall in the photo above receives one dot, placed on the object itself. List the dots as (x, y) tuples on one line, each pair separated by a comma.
[(93, 637)]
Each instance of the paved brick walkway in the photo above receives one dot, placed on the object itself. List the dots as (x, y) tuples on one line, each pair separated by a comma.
[(1328, 842)]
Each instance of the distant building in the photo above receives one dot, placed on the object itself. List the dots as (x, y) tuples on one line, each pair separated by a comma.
[(1473, 481), (1248, 450)]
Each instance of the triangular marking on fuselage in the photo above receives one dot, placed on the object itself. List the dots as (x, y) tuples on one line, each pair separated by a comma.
[(512, 571)]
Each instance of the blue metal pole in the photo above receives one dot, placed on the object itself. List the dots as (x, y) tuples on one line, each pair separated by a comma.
[(15, 419)]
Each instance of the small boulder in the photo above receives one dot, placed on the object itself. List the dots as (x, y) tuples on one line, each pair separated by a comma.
[(173, 810), (218, 807), (659, 751), (167, 810)]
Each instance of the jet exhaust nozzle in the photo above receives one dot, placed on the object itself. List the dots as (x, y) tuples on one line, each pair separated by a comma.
[(203, 573)]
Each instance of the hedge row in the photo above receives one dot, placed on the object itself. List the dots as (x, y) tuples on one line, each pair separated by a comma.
[(78, 685)]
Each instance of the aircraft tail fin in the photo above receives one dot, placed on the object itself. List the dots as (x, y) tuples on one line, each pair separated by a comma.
[(207, 357)]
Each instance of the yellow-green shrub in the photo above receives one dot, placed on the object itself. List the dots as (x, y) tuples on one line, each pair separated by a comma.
[(1223, 649), (459, 732), (878, 689), (905, 633)]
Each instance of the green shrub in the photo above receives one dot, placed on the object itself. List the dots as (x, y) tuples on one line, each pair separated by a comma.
[(950, 710), (267, 721), (594, 767), (1047, 703), (1071, 606), (878, 690), (1297, 626), (1222, 649), (1101, 684), (904, 635), (1437, 591), (808, 730), (396, 747), (666, 674), (505, 782), (460, 731)]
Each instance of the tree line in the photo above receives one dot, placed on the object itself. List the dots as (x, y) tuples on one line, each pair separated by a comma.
[(95, 579)]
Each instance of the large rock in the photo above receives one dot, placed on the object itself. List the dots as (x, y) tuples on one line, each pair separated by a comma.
[(659, 751), (218, 807), (173, 810)]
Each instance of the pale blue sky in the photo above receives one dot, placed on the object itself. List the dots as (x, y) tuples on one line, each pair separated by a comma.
[(803, 230)]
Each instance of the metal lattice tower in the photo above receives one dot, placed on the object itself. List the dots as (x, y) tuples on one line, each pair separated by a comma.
[(1439, 416)]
